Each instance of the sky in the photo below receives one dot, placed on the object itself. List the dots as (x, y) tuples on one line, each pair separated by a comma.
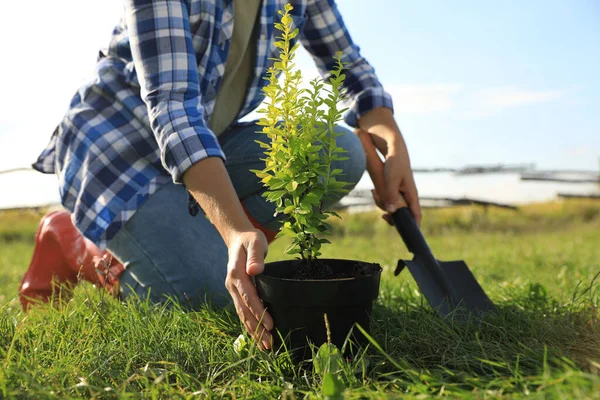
[(473, 82)]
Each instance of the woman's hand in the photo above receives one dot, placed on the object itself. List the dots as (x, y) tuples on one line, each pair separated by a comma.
[(209, 183), (394, 183), (247, 253)]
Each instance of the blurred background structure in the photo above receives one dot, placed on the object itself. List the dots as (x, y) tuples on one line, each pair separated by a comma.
[(499, 101)]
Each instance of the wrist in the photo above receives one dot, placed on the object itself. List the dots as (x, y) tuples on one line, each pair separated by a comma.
[(231, 230), (229, 218), (209, 183), (377, 119), (382, 127)]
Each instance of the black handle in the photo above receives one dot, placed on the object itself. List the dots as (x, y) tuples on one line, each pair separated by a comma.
[(411, 234), (416, 244)]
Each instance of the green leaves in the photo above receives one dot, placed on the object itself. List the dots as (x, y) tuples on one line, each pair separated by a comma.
[(312, 198), (275, 195), (328, 362), (294, 33), (291, 186), (333, 387), (313, 230), (300, 125)]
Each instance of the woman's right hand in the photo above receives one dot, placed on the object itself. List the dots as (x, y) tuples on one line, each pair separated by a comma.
[(247, 252), (209, 183)]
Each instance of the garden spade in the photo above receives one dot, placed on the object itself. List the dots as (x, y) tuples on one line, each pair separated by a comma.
[(448, 286)]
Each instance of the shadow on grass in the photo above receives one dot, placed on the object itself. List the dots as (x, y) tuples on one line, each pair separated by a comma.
[(529, 341), (530, 344)]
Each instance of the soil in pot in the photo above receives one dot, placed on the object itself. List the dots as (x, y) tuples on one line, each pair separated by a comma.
[(321, 270), (298, 298)]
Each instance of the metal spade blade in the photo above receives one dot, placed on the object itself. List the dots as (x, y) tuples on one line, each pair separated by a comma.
[(448, 286)]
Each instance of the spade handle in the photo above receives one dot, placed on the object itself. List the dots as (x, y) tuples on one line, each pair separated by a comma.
[(416, 244), (411, 234), (403, 219)]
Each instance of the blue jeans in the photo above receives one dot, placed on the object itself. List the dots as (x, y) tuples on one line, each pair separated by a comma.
[(168, 253)]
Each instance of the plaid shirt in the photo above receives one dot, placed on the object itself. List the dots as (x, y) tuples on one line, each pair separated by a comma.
[(142, 121)]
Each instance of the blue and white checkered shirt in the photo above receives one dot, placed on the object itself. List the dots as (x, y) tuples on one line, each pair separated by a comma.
[(142, 120)]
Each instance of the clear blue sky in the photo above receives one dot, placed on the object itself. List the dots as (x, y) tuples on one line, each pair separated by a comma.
[(519, 81), (473, 81)]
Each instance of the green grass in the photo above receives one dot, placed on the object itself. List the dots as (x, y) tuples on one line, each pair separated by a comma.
[(538, 265)]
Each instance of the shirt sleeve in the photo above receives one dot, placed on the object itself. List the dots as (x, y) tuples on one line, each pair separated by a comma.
[(323, 35), (165, 62)]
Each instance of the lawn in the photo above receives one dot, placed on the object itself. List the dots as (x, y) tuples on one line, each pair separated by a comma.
[(538, 265)]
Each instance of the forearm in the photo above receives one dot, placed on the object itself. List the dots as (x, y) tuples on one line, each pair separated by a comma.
[(209, 183), (380, 123)]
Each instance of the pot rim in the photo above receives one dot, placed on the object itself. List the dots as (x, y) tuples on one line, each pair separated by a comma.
[(270, 277)]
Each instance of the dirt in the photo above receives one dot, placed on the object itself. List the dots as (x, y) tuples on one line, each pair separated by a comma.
[(320, 270)]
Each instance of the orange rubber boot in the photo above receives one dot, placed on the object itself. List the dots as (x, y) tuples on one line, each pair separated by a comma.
[(61, 257)]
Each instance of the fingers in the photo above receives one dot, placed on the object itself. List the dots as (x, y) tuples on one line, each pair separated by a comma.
[(412, 198), (249, 296), (413, 206), (392, 179), (375, 168), (388, 218), (394, 199), (378, 200), (251, 324), (402, 194), (255, 262), (249, 307)]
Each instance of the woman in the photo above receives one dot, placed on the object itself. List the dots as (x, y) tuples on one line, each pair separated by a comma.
[(156, 133)]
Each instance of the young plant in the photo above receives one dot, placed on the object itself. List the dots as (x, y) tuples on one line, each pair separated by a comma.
[(300, 125)]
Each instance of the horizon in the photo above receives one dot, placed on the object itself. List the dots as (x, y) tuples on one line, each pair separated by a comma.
[(487, 84)]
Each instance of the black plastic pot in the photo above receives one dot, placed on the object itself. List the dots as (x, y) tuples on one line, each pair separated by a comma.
[(297, 306)]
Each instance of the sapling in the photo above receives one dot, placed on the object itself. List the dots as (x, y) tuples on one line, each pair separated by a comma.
[(300, 123)]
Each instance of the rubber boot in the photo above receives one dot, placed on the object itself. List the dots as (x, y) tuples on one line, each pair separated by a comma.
[(61, 257)]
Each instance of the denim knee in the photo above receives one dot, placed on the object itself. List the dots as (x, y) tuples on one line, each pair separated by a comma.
[(354, 168)]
